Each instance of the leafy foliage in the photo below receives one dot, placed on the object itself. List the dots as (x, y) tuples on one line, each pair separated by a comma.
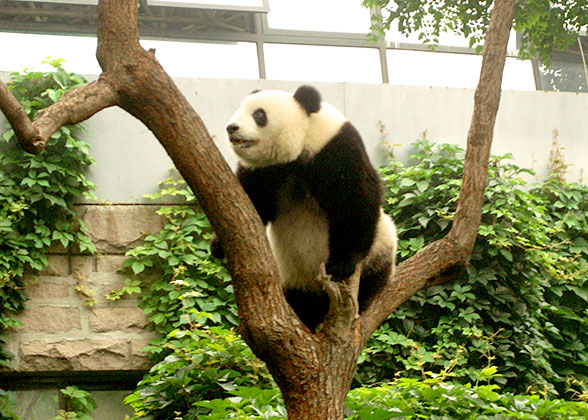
[(189, 299), (541, 24), (173, 270), (37, 192), (205, 363), (246, 403), (436, 399), (521, 303), (78, 404), (7, 406)]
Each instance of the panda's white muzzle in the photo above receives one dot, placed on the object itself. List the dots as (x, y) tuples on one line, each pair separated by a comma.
[(238, 141)]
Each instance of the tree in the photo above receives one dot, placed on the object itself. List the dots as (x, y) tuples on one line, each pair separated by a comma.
[(541, 25), (313, 371)]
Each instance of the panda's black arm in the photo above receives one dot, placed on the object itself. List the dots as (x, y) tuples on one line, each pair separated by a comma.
[(261, 186), (348, 189)]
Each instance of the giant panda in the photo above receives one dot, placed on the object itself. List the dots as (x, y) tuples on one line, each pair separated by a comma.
[(306, 170)]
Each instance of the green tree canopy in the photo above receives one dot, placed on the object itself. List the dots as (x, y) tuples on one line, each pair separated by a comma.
[(542, 24)]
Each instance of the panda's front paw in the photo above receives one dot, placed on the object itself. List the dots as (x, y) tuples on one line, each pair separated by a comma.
[(340, 271), (216, 249)]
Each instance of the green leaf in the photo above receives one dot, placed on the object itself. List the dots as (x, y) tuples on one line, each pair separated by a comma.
[(137, 267)]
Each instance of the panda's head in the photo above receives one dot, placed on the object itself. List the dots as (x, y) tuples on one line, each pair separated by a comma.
[(273, 126)]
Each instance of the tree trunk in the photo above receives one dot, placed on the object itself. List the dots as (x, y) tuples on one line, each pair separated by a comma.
[(314, 371)]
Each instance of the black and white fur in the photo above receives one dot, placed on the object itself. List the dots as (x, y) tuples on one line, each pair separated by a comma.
[(305, 168)]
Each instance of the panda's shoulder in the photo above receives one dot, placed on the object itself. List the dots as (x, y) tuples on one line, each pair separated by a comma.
[(324, 126), (344, 145)]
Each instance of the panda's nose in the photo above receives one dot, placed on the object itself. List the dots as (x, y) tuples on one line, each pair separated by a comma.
[(231, 128)]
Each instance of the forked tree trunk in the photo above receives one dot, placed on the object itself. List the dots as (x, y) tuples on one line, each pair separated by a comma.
[(314, 371)]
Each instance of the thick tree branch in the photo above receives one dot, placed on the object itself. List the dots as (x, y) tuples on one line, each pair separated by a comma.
[(433, 264), (486, 101), (74, 106), (26, 134), (149, 94)]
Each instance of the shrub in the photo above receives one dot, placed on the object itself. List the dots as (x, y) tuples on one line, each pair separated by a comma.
[(521, 303), (203, 364), (37, 192), (174, 273), (436, 399)]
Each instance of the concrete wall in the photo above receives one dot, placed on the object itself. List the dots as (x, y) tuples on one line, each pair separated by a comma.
[(130, 161)]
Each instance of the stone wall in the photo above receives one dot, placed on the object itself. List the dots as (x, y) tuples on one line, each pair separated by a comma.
[(59, 332)]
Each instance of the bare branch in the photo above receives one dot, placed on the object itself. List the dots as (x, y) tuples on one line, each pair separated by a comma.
[(486, 101), (26, 134), (436, 263), (74, 106)]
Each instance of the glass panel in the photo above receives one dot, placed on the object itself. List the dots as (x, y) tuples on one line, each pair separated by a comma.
[(323, 15), (219, 61), (518, 75), (21, 51), (222, 3), (179, 59), (393, 35), (421, 68), (322, 64), (449, 39), (563, 76)]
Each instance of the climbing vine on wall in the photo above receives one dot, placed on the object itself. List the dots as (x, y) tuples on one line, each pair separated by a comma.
[(37, 192)]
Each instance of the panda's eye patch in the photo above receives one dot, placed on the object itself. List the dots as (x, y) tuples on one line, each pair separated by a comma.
[(260, 117)]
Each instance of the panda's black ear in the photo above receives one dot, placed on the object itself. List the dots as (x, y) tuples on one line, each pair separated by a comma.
[(309, 98)]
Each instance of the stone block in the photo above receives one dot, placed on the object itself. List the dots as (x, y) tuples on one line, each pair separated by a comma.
[(116, 228), (103, 283), (58, 265), (38, 404), (138, 356), (46, 318), (118, 319), (109, 263), (48, 287), (76, 354), (82, 265)]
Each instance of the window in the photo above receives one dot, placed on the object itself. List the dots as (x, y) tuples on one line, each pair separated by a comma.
[(568, 70), (236, 60), (324, 15), (321, 63)]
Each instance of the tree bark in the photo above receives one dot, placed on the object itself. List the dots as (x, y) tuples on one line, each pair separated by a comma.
[(314, 371), (440, 260)]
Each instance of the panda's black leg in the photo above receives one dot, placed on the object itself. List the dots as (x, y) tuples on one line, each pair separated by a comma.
[(373, 278), (311, 308)]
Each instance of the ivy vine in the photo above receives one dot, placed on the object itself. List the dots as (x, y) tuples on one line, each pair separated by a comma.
[(521, 303), (37, 192)]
